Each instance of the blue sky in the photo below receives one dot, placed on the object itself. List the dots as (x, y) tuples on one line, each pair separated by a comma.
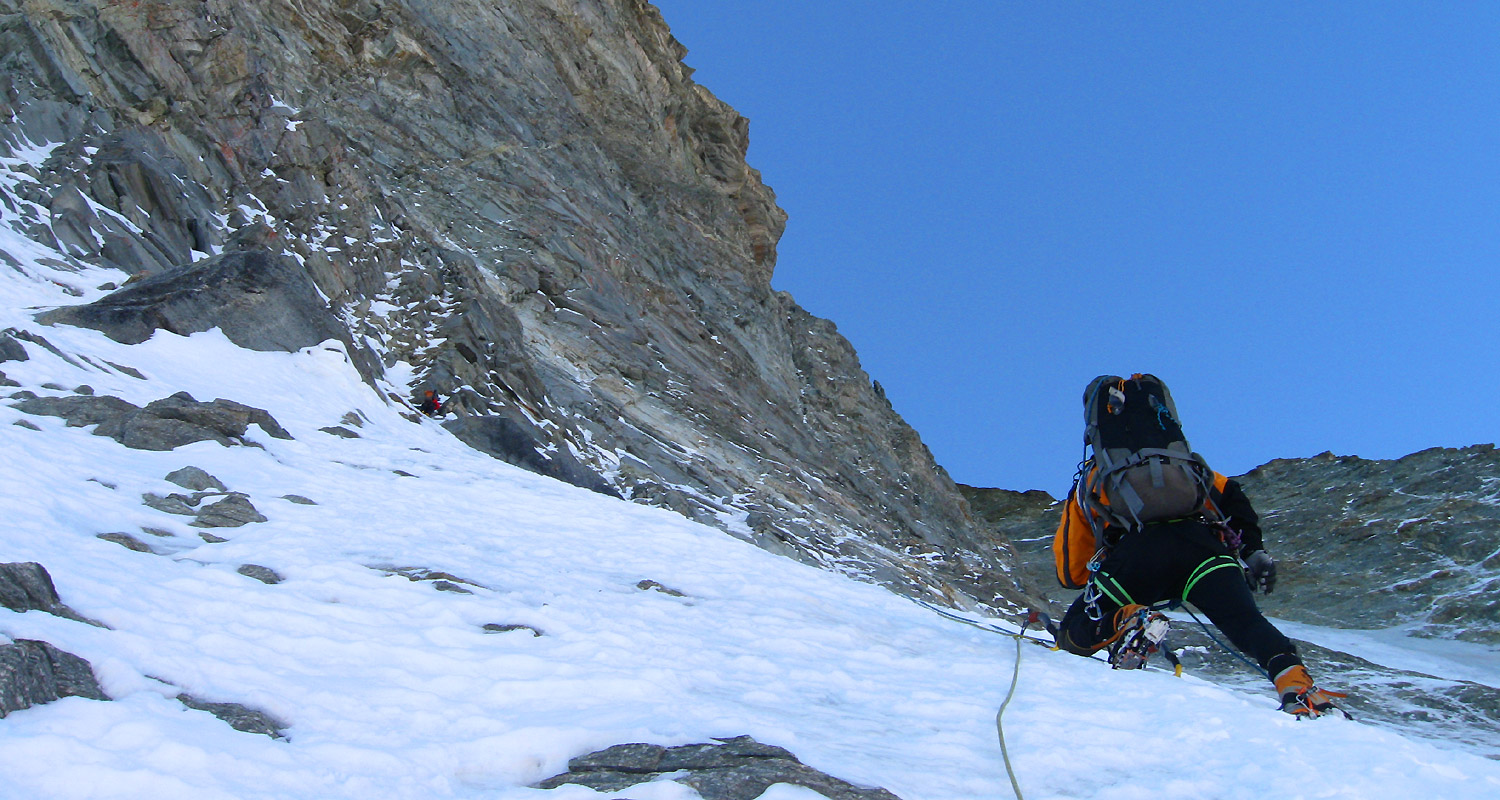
[(1289, 212)]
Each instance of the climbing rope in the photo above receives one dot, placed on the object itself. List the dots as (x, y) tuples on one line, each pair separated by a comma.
[(1226, 648), (1015, 676)]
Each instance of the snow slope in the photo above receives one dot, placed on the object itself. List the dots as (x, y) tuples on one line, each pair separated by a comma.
[(392, 688)]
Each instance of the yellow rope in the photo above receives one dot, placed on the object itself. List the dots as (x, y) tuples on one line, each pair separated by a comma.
[(1000, 728)]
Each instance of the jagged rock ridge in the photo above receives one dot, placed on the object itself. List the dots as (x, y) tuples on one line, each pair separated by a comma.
[(526, 205)]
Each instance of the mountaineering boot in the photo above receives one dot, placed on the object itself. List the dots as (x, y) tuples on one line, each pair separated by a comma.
[(1139, 632), (1301, 697)]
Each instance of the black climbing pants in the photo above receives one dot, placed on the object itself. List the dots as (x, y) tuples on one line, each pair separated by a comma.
[(1182, 560)]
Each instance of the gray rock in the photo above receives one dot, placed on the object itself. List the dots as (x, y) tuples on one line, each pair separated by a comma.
[(127, 541), (231, 512), (196, 480), (1426, 524), (241, 718), (26, 586), (509, 441), (33, 673), (265, 575), (650, 585), (163, 424), (11, 349), (224, 417), (443, 581), (492, 627), (124, 370), (734, 769), (172, 504), (79, 410), (262, 300), (210, 538), (340, 431), (1026, 521), (298, 499)]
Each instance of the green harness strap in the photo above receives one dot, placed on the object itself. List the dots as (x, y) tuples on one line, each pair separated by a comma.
[(1121, 599), (1210, 565), (1112, 589)]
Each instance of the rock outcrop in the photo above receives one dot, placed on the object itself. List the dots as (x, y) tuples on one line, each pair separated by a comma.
[(732, 769), (164, 424), (27, 586), (33, 673), (1373, 544), (533, 204), (260, 299)]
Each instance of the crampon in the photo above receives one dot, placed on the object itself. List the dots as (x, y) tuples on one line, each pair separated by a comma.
[(1144, 633)]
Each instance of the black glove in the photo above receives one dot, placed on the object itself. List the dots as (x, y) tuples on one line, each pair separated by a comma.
[(1260, 571)]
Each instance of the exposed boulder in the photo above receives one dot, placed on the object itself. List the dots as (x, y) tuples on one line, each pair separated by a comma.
[(195, 479), (734, 769), (34, 672), (233, 511), (164, 424), (27, 586), (239, 717), (11, 349), (173, 503), (261, 300), (265, 575), (222, 416), (126, 541), (442, 581), (495, 627), (509, 441), (650, 585)]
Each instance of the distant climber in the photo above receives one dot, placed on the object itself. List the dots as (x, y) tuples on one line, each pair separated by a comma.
[(1148, 524), (431, 405)]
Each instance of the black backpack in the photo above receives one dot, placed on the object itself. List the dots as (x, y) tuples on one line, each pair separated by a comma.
[(1143, 469)]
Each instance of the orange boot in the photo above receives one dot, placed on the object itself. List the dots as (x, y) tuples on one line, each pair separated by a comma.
[(1301, 697)]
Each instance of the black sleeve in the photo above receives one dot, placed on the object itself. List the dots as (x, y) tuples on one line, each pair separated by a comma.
[(1242, 517)]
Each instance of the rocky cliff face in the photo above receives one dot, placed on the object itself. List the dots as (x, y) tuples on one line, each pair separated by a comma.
[(1371, 544), (527, 205)]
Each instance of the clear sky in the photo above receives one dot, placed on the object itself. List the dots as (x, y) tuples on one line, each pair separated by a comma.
[(1288, 211)]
